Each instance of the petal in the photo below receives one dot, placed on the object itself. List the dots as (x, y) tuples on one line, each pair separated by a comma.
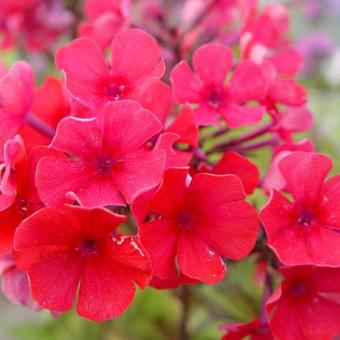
[(159, 237), (169, 198), (208, 191), (230, 229), (233, 163), (9, 221), (329, 201), (63, 229), (288, 92), (136, 57), (140, 170), (287, 61), (247, 83), (126, 126), (100, 190), (78, 137), (197, 260), (85, 70), (212, 63), (185, 84), (156, 97), (173, 157), (238, 116), (54, 280), (104, 294), (186, 127), (304, 173), (57, 177), (15, 287), (127, 256), (207, 115)]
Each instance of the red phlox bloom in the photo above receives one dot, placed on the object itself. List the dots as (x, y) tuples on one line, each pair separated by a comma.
[(255, 330), (306, 229), (14, 283), (104, 20), (274, 179), (108, 162), (136, 59), (207, 89), (196, 225), (24, 199), (81, 247), (306, 306)]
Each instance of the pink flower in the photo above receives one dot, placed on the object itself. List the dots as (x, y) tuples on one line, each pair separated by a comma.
[(136, 59), (212, 96), (103, 160)]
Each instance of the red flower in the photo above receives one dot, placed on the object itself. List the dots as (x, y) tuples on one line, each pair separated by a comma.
[(305, 231), (136, 58), (81, 248), (196, 225), (208, 90), (19, 198), (307, 304), (108, 161)]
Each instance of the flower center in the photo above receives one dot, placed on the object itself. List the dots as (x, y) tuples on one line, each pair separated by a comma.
[(114, 91), (23, 205), (298, 289), (105, 165), (214, 99), (88, 247), (185, 219), (305, 218)]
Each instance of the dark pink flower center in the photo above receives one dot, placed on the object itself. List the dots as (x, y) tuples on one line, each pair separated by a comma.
[(114, 91), (305, 218), (214, 99), (185, 219), (298, 289), (88, 247), (105, 165)]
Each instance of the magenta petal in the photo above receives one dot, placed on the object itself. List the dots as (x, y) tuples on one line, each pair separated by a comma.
[(237, 116), (212, 63), (139, 171), (85, 70), (185, 84), (136, 57)]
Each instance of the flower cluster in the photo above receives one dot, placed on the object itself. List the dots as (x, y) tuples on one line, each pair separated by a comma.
[(134, 168)]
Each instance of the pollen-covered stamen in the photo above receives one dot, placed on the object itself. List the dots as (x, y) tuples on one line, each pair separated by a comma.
[(23, 205), (114, 91), (88, 247), (305, 218)]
